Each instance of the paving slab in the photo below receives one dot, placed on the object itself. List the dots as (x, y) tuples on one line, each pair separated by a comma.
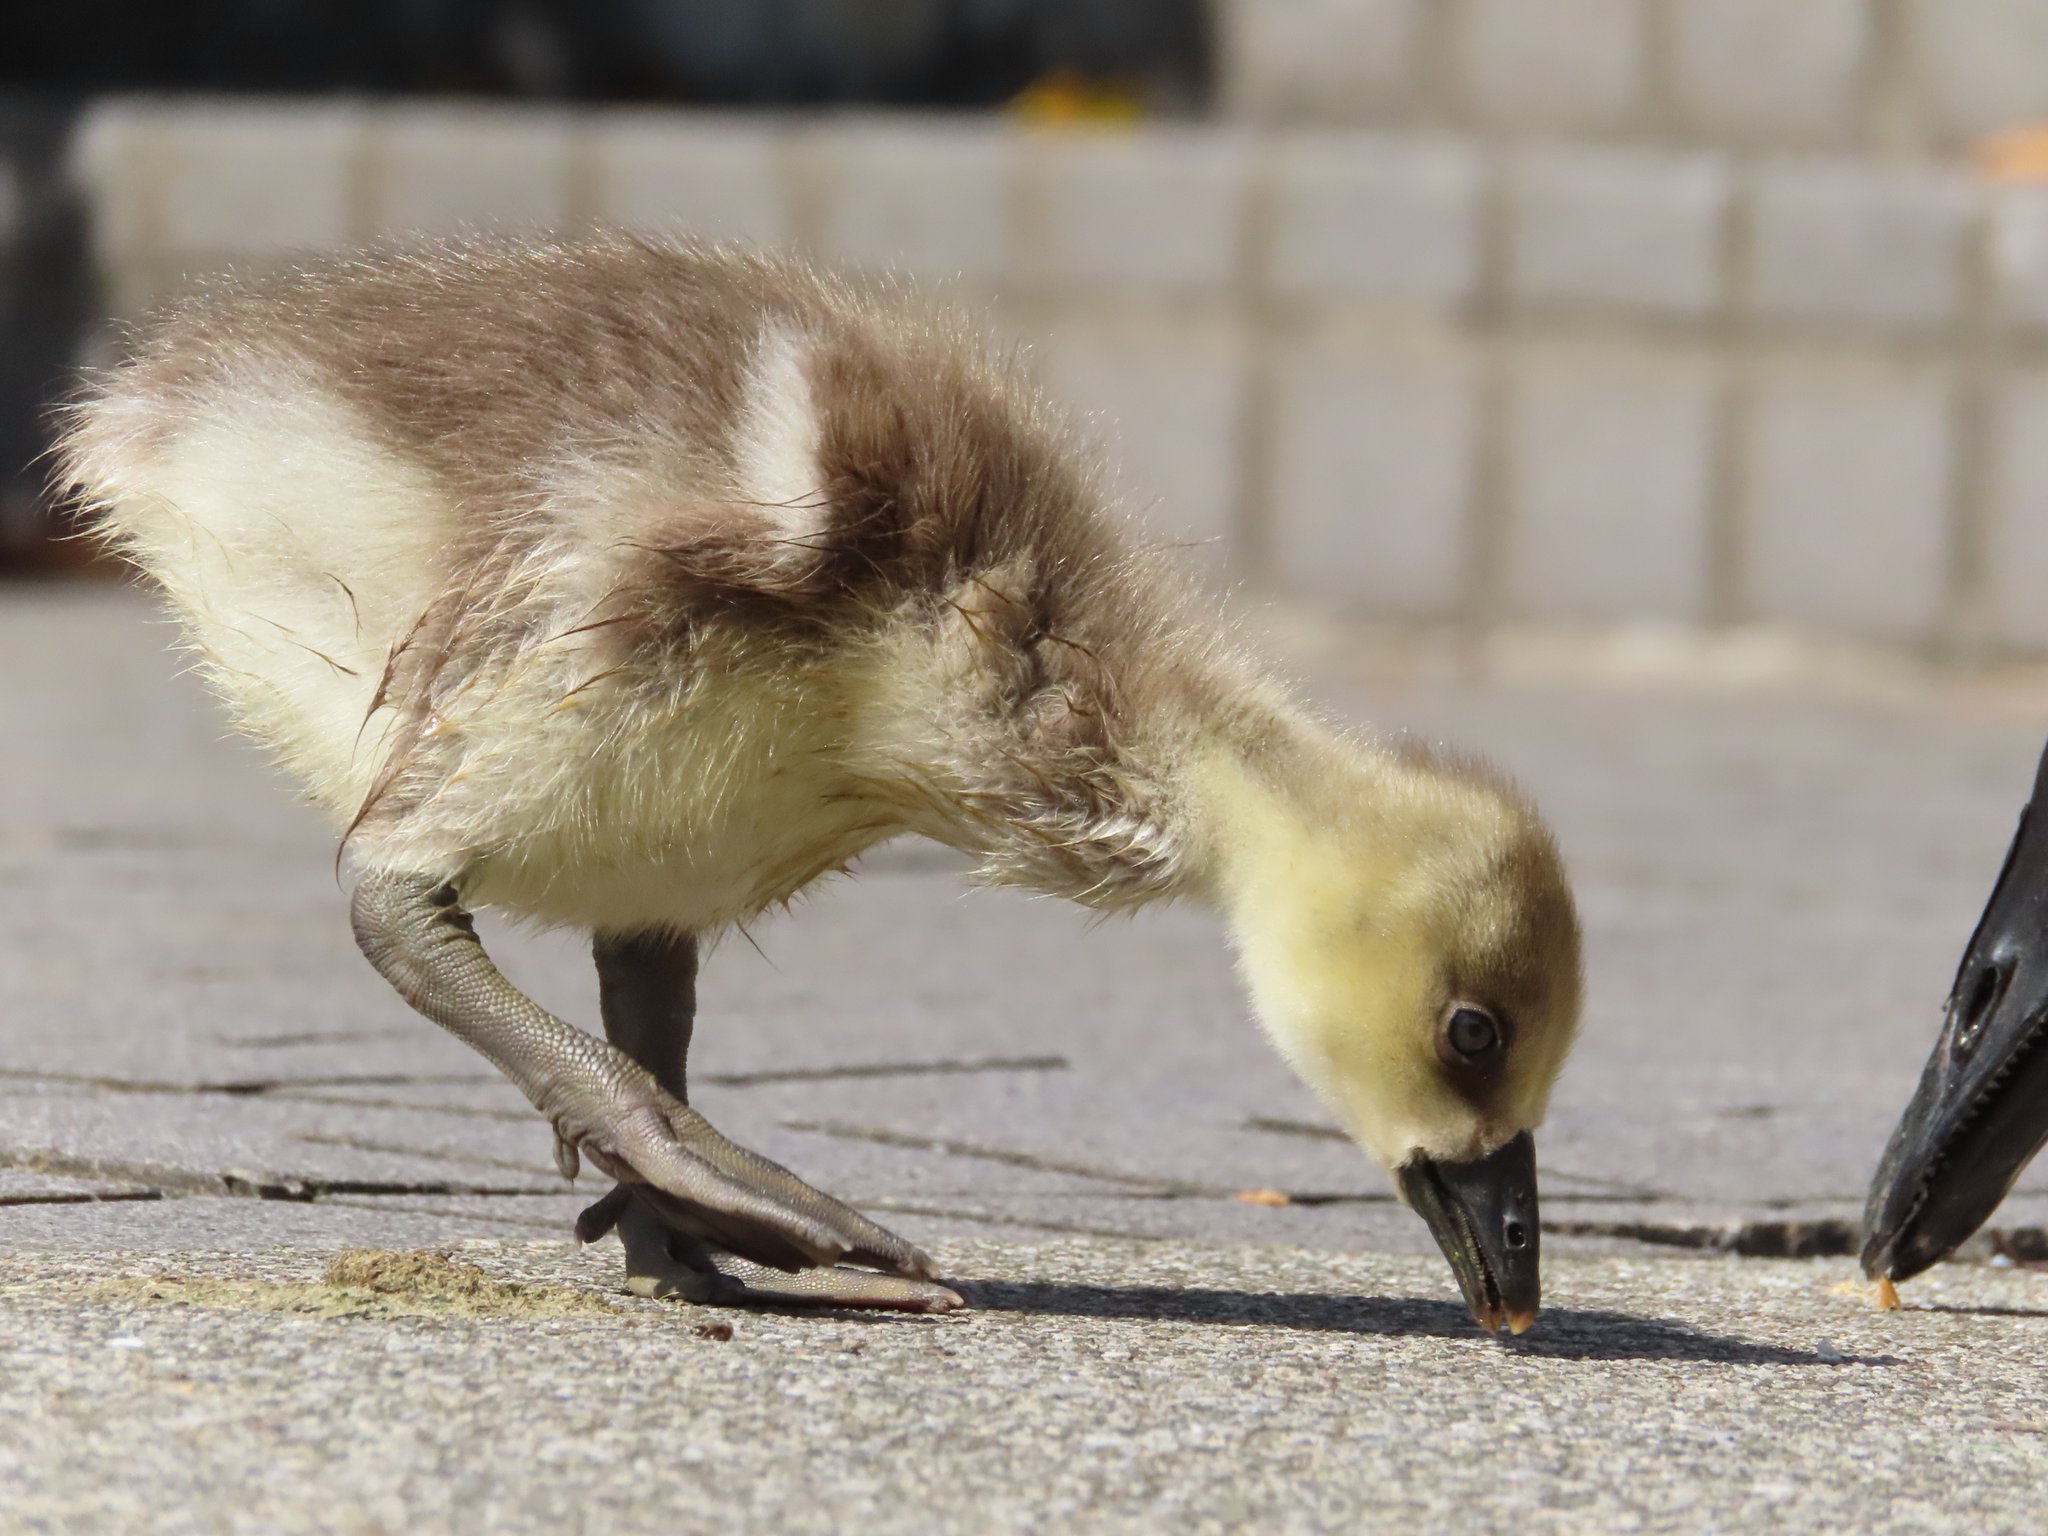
[(199, 1075), (1095, 1386), (1775, 883)]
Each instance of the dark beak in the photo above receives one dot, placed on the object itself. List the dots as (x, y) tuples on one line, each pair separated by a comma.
[(1483, 1215), (1981, 1110)]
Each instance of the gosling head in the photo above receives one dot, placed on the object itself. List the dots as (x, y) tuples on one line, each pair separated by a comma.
[(1410, 944)]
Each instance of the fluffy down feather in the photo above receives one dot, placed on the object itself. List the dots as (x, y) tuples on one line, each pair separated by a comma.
[(632, 584), (629, 581)]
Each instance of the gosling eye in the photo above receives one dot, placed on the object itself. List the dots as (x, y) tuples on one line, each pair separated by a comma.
[(1470, 1034)]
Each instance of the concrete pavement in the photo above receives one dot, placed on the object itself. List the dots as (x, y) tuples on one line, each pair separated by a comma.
[(1775, 883), (1097, 1386)]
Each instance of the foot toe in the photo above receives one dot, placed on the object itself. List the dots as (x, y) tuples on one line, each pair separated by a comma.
[(663, 1263), (841, 1286), (730, 1199)]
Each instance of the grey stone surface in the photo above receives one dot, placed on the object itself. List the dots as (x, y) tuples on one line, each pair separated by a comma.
[(251, 182), (1978, 63), (1307, 60), (185, 1009), (1567, 65), (1774, 882), (1875, 76), (1623, 230), (718, 177), (447, 168), (1243, 309), (1166, 399), (1610, 475), (1761, 72), (1844, 514), (1846, 242), (1161, 211), (2017, 540), (108, 162), (1368, 503), (2017, 244), (1373, 218), (894, 195), (1095, 1386)]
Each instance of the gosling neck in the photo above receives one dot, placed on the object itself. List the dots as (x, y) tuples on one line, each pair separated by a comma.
[(1260, 805)]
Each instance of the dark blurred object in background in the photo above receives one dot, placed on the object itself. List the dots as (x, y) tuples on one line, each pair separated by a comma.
[(46, 301), (958, 53), (1151, 54)]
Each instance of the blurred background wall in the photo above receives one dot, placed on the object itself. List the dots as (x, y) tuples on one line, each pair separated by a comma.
[(1682, 313)]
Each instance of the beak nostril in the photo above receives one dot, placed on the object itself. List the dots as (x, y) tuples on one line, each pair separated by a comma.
[(1517, 1235), (1984, 992)]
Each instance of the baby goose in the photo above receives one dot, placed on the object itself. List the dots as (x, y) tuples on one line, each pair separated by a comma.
[(633, 586)]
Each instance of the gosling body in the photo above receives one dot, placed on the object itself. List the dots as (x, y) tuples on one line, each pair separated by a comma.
[(633, 586)]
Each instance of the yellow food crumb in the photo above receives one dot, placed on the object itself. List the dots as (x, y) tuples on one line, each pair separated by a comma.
[(1263, 1197), (1881, 1291)]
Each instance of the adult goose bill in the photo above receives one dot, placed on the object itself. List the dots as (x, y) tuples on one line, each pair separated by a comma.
[(1981, 1110)]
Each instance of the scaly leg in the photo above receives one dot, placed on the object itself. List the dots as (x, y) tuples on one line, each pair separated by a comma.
[(647, 992), (602, 1103)]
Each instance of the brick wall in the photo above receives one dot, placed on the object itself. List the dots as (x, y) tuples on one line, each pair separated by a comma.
[(1886, 75), (1413, 376)]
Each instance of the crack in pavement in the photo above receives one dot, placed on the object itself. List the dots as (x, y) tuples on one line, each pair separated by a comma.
[(1595, 1190), (942, 1068), (171, 1182), (408, 1106), (314, 1037), (399, 1149), (558, 1224), (1822, 1237), (1790, 1238), (1308, 1130), (1003, 1219), (309, 1189), (307, 1089), (1812, 1238), (249, 1087), (883, 1136), (1308, 1197), (83, 1197), (1137, 1186), (1146, 1186)]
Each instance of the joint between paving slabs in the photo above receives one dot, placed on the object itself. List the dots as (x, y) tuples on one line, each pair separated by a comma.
[(287, 1087), (1823, 1237), (157, 1181), (1818, 1237)]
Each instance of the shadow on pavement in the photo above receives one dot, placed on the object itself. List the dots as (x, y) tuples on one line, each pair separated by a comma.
[(1563, 1333), (1987, 1310)]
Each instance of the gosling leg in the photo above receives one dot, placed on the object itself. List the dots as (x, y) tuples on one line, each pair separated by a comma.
[(647, 993), (604, 1105)]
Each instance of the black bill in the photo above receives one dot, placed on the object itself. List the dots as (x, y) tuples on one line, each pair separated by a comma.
[(1483, 1215), (1981, 1110)]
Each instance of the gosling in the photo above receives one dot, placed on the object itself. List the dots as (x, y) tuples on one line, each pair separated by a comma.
[(632, 586)]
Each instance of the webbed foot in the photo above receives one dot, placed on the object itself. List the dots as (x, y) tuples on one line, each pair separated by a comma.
[(711, 1190), (663, 1261)]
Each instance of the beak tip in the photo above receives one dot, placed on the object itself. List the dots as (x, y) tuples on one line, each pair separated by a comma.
[(1520, 1323)]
